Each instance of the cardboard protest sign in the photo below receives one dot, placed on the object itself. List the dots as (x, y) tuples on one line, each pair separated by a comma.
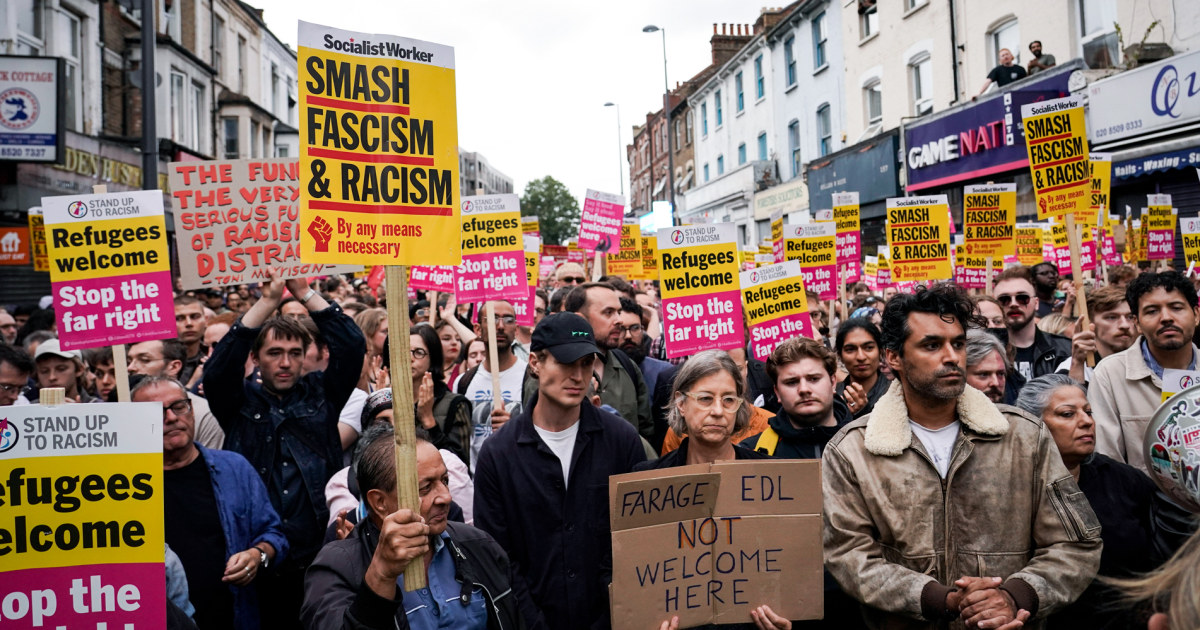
[(849, 236), (698, 271), (1190, 230), (600, 224), (777, 236), (90, 553), (776, 306), (814, 247), (378, 149), (1028, 237), (493, 250), (110, 272), (989, 219), (649, 257), (710, 542), (37, 240), (1101, 166), (627, 261), (14, 246), (236, 219), (1056, 138), (918, 230), (438, 278), (1160, 228)]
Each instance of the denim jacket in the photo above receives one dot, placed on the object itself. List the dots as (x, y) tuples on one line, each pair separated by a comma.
[(247, 519), (255, 420)]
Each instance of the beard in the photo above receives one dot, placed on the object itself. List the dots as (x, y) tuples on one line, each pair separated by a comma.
[(932, 386), (636, 351), (1017, 324)]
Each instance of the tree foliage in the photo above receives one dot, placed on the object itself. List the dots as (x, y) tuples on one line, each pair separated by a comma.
[(556, 209)]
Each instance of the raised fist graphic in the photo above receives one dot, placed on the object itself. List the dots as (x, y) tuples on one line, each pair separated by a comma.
[(321, 232)]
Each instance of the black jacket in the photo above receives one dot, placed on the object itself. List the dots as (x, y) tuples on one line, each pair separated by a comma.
[(805, 442), (881, 386), (678, 457), (335, 595), (1048, 350), (556, 535)]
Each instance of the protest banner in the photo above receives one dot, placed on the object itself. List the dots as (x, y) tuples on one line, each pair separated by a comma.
[(627, 260), (14, 246), (110, 272), (849, 237), (710, 542), (990, 219), (650, 257), (777, 236), (493, 250), (1160, 230), (37, 239), (524, 307), (1101, 170), (91, 552), (762, 260), (1056, 139), (600, 224), (1175, 381), (575, 255), (814, 247), (918, 236), (438, 278), (776, 306), (698, 271), (378, 149), (236, 219), (1189, 229)]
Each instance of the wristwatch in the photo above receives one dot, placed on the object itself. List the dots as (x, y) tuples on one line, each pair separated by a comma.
[(308, 296), (263, 560)]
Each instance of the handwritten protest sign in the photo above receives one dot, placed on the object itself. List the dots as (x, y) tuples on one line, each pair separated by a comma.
[(814, 247), (627, 261), (378, 149), (918, 230), (37, 239), (493, 250), (234, 220), (776, 306), (698, 271), (849, 236), (438, 278), (989, 219), (1101, 167), (110, 273), (600, 224), (91, 553), (710, 542), (1056, 138), (1160, 230)]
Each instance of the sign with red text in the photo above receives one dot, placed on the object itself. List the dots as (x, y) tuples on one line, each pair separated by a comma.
[(493, 250), (849, 236), (600, 225), (14, 246), (776, 306), (814, 247), (698, 275), (777, 236), (90, 554), (918, 236), (989, 219), (1062, 246), (109, 269), (970, 270), (1101, 167), (627, 261), (378, 149), (649, 257), (1056, 139), (37, 240), (234, 220)]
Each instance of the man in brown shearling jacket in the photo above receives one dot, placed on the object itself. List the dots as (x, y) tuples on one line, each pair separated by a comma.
[(942, 508)]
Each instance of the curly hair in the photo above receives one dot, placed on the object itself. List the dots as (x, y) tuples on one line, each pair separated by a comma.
[(1168, 281), (946, 300)]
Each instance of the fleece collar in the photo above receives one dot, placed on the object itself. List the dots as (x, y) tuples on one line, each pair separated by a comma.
[(888, 432)]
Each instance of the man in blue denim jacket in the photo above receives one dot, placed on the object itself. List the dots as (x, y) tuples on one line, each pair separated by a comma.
[(286, 426), (218, 519)]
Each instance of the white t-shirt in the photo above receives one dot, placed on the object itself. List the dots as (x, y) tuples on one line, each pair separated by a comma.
[(352, 413), (939, 444), (480, 387), (563, 445)]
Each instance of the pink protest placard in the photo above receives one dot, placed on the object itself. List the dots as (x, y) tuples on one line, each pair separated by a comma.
[(524, 308), (776, 306), (600, 225), (493, 250), (438, 278), (698, 273), (814, 247), (849, 236), (109, 268)]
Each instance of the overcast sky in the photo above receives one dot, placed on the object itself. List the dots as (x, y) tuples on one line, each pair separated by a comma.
[(533, 75)]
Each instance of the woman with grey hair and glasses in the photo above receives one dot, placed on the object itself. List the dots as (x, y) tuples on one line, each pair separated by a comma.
[(1123, 498)]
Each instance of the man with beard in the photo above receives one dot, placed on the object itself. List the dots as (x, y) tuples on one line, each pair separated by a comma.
[(1011, 537), (659, 374), (1035, 352), (987, 365), (1111, 331), (1045, 282), (476, 383), (1126, 388)]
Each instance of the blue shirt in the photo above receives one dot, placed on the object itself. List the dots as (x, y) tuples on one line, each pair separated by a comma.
[(1152, 363), (440, 604)]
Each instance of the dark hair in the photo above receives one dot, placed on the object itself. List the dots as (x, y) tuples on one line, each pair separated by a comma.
[(798, 348), (374, 462), (1036, 41), (1017, 272), (331, 284), (174, 350), (945, 300), (433, 345), (1124, 273), (556, 300), (16, 357), (314, 331), (185, 300), (856, 323), (41, 319), (620, 284), (577, 297), (98, 355), (629, 306), (284, 328), (1166, 280)]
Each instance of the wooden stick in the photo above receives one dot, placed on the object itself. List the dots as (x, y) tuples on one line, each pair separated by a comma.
[(433, 308), (987, 276), (597, 266), (120, 363), (1077, 275), (494, 357), (400, 355), (52, 396)]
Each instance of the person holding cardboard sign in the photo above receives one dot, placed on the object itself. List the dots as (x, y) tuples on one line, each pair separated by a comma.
[(996, 558)]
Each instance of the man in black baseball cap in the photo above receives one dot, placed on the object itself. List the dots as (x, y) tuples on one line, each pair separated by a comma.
[(537, 478)]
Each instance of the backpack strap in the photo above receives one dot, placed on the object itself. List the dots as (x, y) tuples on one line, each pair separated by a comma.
[(464, 381), (441, 409), (767, 441)]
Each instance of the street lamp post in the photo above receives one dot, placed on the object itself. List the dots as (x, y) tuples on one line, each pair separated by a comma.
[(667, 112), (620, 160)]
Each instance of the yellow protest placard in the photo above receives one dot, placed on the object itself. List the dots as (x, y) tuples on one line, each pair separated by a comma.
[(990, 219), (649, 257), (698, 269), (814, 246), (1160, 228), (777, 236), (1190, 230), (1101, 165), (627, 261), (378, 149), (1056, 139), (533, 258), (918, 231), (530, 225), (1028, 238)]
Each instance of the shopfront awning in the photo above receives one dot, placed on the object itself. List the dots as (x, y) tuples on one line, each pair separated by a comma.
[(1178, 153)]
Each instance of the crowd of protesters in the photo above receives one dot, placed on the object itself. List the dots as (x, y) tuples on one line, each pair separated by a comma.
[(982, 455)]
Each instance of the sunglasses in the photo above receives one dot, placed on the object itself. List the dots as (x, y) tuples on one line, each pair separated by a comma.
[(1021, 298), (573, 279)]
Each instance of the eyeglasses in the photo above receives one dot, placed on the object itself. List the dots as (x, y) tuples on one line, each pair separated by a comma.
[(10, 389), (572, 279), (422, 312), (179, 407), (707, 400), (507, 320), (630, 330), (1021, 298), (419, 353)]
